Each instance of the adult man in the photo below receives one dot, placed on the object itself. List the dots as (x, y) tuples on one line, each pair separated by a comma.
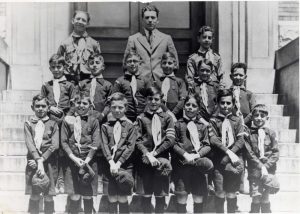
[(151, 44)]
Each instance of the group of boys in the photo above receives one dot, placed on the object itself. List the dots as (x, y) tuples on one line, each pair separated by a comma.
[(141, 132)]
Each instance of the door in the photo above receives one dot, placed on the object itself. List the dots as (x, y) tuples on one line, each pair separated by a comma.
[(113, 22)]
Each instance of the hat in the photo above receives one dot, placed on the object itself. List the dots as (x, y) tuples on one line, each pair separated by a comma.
[(86, 174), (124, 180), (237, 168), (204, 165), (271, 182), (40, 184), (164, 168)]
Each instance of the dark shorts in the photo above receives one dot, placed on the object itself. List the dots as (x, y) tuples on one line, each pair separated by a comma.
[(115, 189), (188, 179), (73, 184)]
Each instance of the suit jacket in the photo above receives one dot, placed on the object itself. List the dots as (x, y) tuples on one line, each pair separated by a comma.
[(151, 56)]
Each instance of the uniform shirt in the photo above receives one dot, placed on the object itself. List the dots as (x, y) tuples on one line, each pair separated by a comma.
[(68, 49), (67, 92), (145, 143), (196, 58), (126, 144), (176, 94), (215, 134), (183, 140), (212, 90), (102, 92), (50, 141), (90, 136), (270, 149), (122, 84)]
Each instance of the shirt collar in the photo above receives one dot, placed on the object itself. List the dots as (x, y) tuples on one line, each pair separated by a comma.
[(83, 117), (158, 111), (112, 119), (220, 115), (201, 52), (63, 78), (199, 81), (84, 35), (100, 76), (35, 119), (241, 87), (127, 73), (187, 119), (147, 32)]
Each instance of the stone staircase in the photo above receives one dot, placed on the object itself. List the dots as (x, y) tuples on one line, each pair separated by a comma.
[(15, 109)]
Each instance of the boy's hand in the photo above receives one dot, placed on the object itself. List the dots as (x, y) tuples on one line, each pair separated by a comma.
[(172, 115), (264, 171), (113, 167), (56, 110), (32, 164), (233, 157), (79, 162), (153, 161), (40, 168), (188, 157)]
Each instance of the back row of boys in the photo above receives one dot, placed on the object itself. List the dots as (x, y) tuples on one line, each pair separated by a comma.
[(208, 135)]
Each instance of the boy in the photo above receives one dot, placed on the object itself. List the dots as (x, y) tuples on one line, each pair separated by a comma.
[(42, 141), (173, 88), (205, 37), (58, 91), (226, 134), (96, 87), (206, 89), (262, 162), (189, 159), (133, 85), (118, 141), (77, 48), (80, 138), (156, 135)]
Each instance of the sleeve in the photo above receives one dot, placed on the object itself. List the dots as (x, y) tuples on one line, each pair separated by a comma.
[(205, 149), (141, 138), (250, 155), (30, 142), (274, 157), (117, 87), (95, 139), (97, 48), (129, 47), (104, 142), (44, 91), (169, 139), (252, 103), (108, 90), (130, 142), (215, 140), (182, 95), (220, 73), (55, 142), (190, 69), (65, 136), (61, 50), (239, 134), (172, 49), (177, 148), (72, 91)]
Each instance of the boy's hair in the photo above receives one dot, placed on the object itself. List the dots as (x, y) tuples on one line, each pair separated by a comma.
[(96, 55), (239, 65), (167, 55), (149, 7), (224, 93), (56, 58), (118, 96), (39, 97), (206, 62), (80, 96), (195, 96), (260, 108), (205, 29), (81, 11), (131, 54), (153, 90)]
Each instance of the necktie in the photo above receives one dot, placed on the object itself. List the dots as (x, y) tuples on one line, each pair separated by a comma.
[(93, 89), (133, 85), (227, 135), (156, 131), (77, 132), (56, 91), (117, 136), (39, 132), (165, 87), (261, 142), (150, 38), (203, 93), (192, 128)]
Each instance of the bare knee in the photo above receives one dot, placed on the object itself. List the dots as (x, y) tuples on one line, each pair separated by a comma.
[(198, 198), (182, 198)]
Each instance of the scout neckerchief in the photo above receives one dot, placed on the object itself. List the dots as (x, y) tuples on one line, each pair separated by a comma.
[(93, 86), (261, 139), (39, 131), (80, 48), (193, 130), (156, 128), (166, 84), (236, 90), (208, 55), (56, 88), (133, 84), (117, 130), (227, 134), (78, 131)]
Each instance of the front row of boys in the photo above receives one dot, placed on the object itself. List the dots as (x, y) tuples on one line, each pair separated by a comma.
[(198, 145)]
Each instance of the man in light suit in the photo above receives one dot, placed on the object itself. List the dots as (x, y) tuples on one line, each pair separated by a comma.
[(151, 44)]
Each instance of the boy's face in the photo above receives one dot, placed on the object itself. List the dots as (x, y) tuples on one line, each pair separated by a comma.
[(118, 108), (150, 20), (132, 64), (40, 108), (259, 118), (168, 65), (57, 70), (82, 106), (191, 108), (96, 66), (80, 22), (238, 76), (204, 72), (225, 105), (154, 102), (205, 39)]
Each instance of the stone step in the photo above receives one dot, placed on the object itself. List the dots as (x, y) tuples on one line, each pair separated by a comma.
[(286, 135), (19, 95), (276, 110), (13, 120), (16, 148), (15, 107), (279, 122), (12, 163), (289, 182), (266, 98), (289, 149), (288, 165), (11, 134)]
